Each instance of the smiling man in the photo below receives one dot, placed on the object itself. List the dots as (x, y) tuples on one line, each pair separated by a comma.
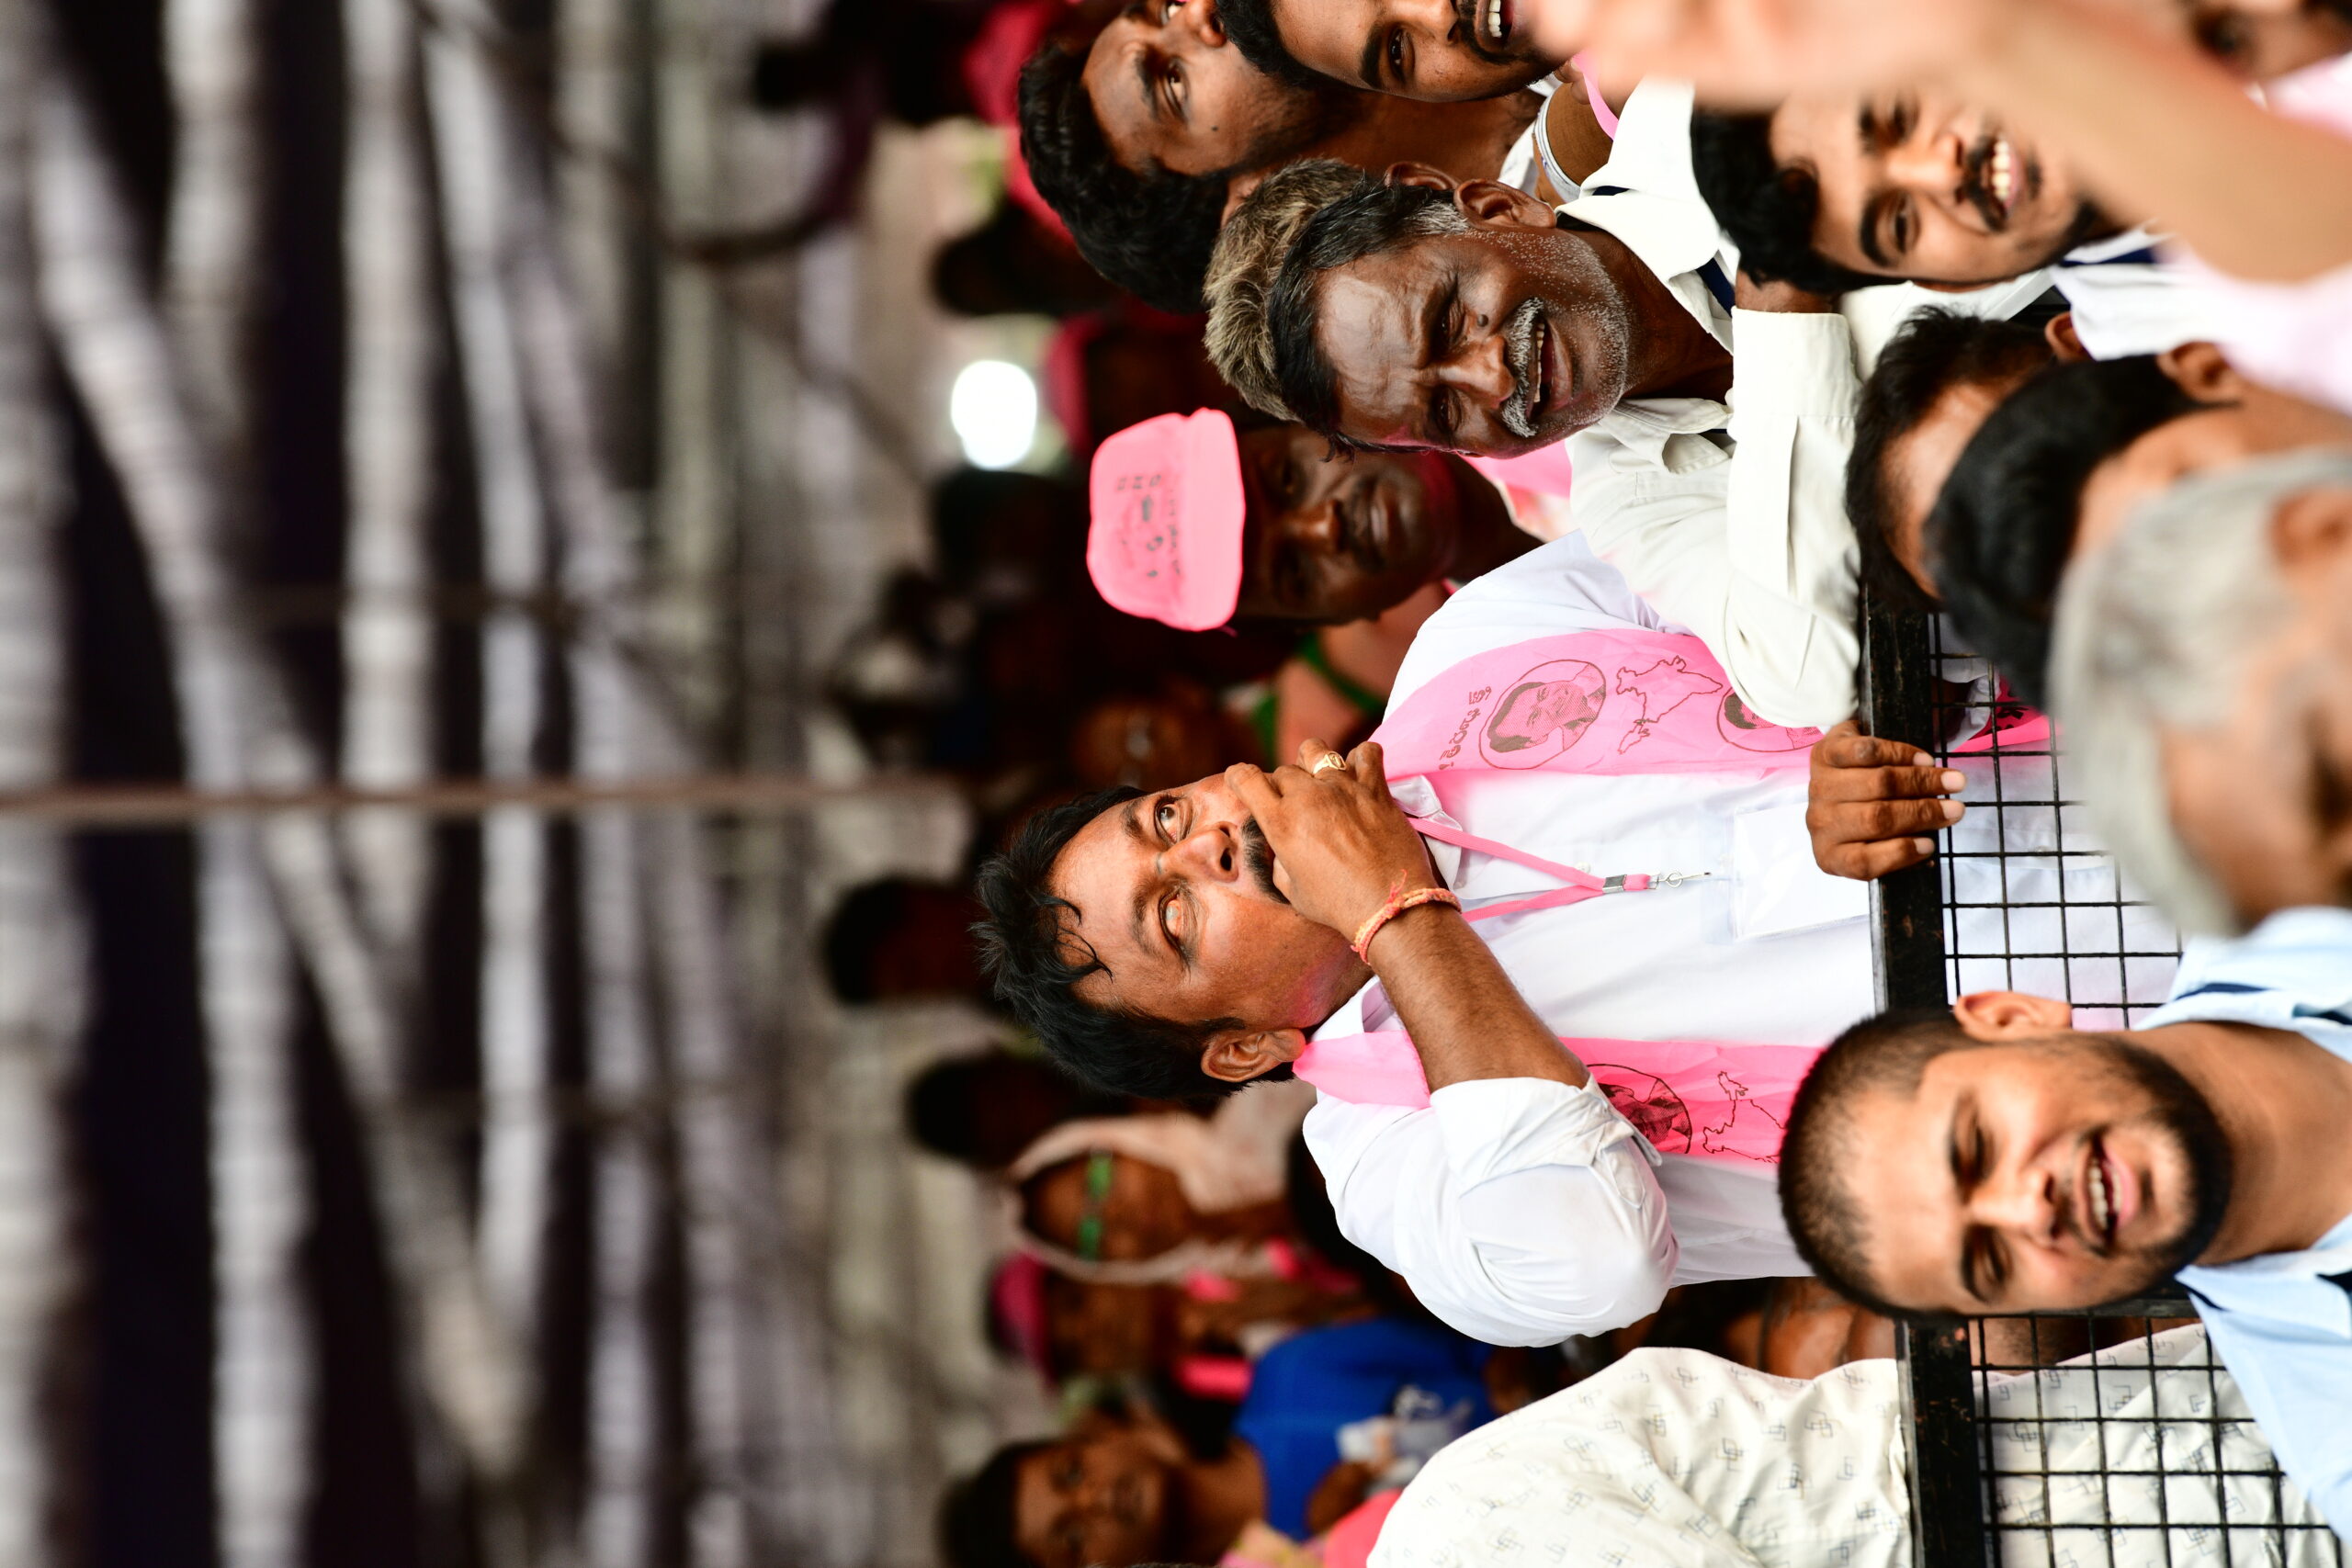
[(1143, 138), (1834, 192), (1417, 314), (1996, 1160), (1437, 51), (1184, 943), (1197, 526)]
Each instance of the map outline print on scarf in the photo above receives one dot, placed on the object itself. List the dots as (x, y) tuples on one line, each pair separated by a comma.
[(1604, 702)]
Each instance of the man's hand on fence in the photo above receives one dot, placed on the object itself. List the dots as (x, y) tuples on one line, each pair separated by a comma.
[(1872, 804)]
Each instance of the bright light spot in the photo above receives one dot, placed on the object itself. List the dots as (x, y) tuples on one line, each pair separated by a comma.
[(994, 410)]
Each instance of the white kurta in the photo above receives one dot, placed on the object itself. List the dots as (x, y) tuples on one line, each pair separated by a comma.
[(1522, 1211), (1677, 1459)]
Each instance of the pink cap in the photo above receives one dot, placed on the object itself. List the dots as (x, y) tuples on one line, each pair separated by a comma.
[(1167, 511)]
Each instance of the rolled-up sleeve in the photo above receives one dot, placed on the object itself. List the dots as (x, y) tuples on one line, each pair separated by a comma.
[(1521, 1211)]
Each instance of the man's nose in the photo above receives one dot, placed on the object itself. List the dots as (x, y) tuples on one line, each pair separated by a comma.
[(1314, 525), (1436, 18), (1196, 21), (1207, 853), (1929, 163), (1481, 369), (2023, 1202)]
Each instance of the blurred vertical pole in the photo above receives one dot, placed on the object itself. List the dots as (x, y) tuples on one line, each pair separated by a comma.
[(261, 1367), (618, 1523), (237, 716), (389, 454), (41, 957), (481, 175)]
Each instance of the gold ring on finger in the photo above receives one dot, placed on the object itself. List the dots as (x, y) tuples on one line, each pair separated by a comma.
[(1328, 761)]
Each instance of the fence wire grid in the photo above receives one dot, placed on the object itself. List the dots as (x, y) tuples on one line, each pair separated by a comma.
[(2137, 1451)]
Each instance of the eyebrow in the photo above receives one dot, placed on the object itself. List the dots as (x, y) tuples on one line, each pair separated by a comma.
[(1433, 315), (1368, 67), (1153, 104), (1868, 236)]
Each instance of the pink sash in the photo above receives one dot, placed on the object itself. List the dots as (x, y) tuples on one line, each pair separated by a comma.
[(1598, 702)]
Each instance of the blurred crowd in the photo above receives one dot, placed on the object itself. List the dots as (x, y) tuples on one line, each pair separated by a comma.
[(1546, 389)]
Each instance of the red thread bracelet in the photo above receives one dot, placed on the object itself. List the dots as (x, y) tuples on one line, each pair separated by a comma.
[(1395, 907)]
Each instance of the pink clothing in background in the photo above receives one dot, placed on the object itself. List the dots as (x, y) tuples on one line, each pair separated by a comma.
[(1545, 470), (2295, 336)]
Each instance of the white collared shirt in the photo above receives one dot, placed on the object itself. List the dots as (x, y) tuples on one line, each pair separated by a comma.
[(1729, 517), (1522, 1211)]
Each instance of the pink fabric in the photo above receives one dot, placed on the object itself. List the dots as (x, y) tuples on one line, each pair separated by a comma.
[(1545, 470), (1602, 112), (1348, 1543), (2015, 728), (1224, 1378), (1598, 702), (2295, 336)]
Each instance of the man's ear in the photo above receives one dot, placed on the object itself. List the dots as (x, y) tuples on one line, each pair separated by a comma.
[(1425, 175), (2060, 335), (1237, 191), (2313, 530), (2203, 372), (1499, 205), (2011, 1015), (1236, 1056)]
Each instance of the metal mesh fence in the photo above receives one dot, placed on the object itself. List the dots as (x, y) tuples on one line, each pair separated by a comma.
[(2137, 1451)]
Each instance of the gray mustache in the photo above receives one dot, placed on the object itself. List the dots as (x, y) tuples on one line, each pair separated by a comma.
[(1518, 344), (1259, 857)]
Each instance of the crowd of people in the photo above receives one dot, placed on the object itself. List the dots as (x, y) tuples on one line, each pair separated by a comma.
[(1458, 1123)]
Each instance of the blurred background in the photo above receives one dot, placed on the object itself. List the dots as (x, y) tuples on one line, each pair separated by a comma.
[(610, 472)]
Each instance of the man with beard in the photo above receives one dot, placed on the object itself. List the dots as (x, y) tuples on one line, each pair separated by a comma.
[(1420, 313), (1838, 191), (1645, 936), (1142, 139), (1998, 1161), (1198, 526), (1437, 51)]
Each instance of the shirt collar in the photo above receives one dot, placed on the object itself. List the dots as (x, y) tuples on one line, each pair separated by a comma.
[(2296, 1288), (1652, 205)]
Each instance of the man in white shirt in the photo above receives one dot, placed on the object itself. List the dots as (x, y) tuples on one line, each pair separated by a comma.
[(1475, 320), (1152, 945), (1836, 192)]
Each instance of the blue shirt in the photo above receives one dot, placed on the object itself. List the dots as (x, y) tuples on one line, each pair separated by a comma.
[(1305, 1388), (2283, 1323)]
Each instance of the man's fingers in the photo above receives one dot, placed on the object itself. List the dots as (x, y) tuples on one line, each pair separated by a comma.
[(1868, 863), (1834, 750), (1841, 784), (1368, 764), (1870, 820), (1311, 751), (1253, 784)]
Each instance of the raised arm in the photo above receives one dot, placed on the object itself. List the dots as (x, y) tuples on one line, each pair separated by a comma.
[(1520, 1205), (1343, 851)]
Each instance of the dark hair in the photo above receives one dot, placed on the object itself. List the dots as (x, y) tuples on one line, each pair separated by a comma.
[(1999, 534), (1881, 1055), (1037, 962), (1251, 25), (864, 916), (1937, 350), (978, 1525), (1150, 234), (1766, 206), (1374, 218)]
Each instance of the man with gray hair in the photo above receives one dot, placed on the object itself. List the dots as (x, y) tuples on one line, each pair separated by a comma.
[(2202, 679), (1414, 311)]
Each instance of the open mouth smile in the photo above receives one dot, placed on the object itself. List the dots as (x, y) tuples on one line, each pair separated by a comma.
[(1494, 19)]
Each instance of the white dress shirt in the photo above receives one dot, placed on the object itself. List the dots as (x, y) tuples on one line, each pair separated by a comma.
[(1522, 1211), (1729, 517), (1677, 1459)]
